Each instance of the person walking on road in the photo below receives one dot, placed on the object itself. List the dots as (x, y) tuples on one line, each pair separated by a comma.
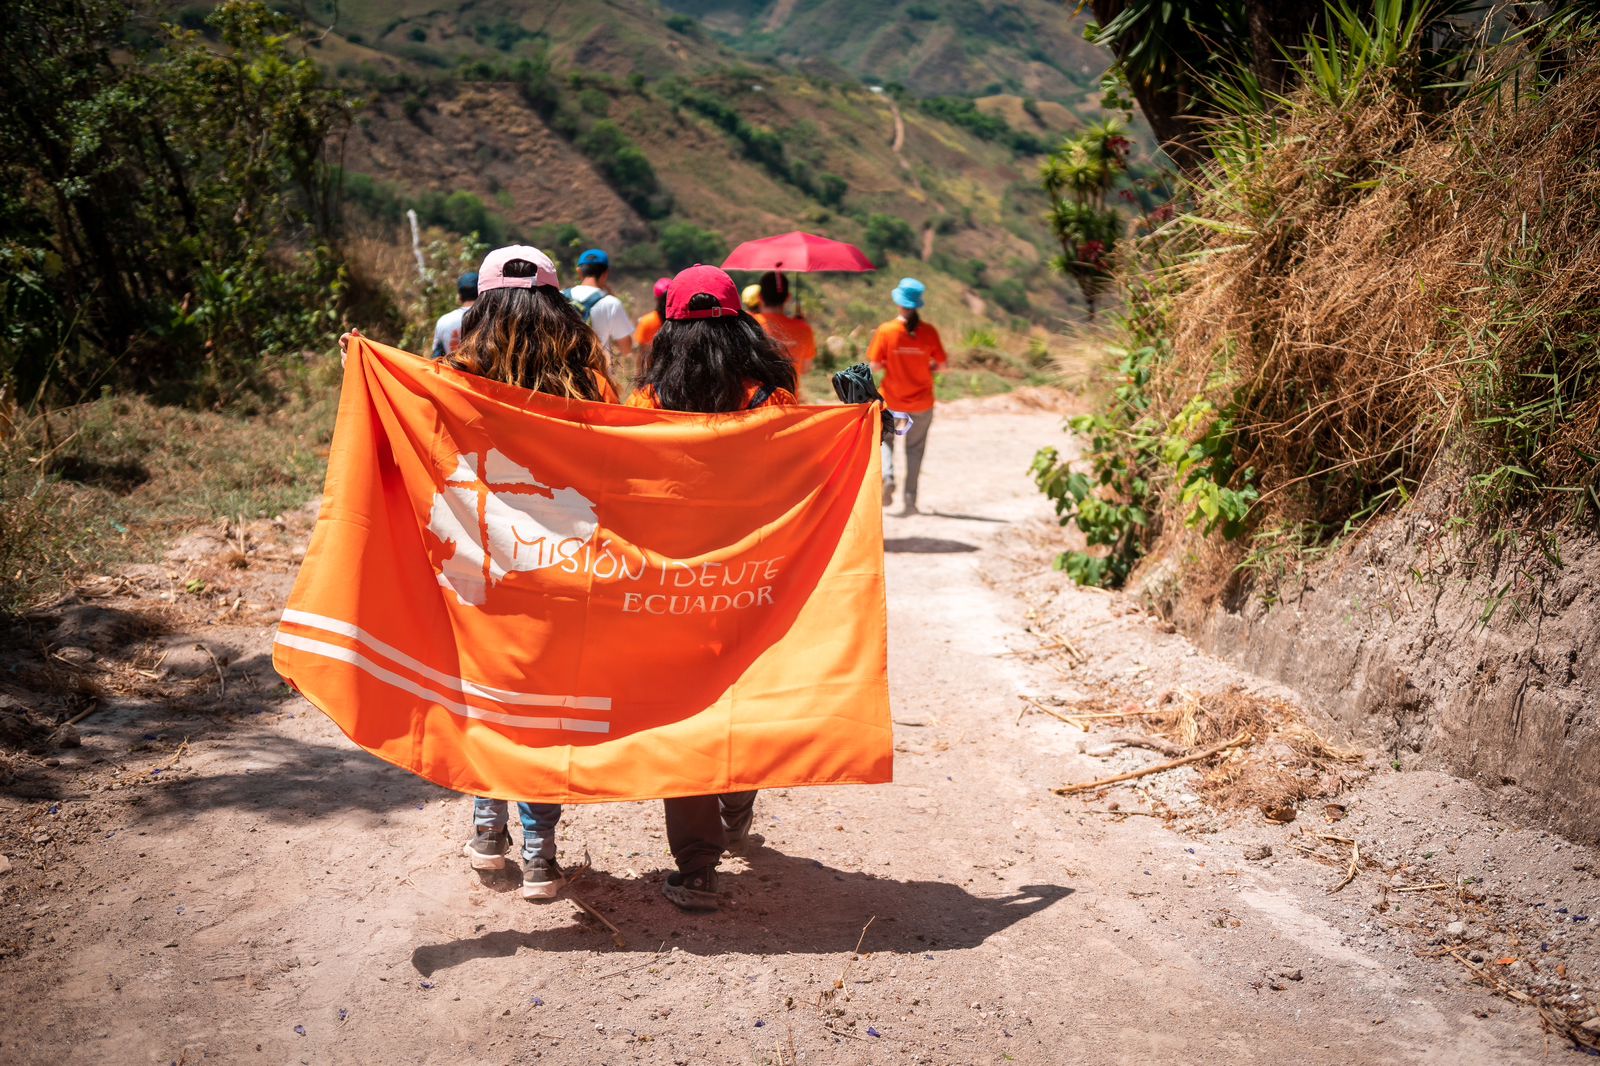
[(907, 352), (794, 335), (710, 356), (650, 322), (523, 330), (447, 331), (598, 305)]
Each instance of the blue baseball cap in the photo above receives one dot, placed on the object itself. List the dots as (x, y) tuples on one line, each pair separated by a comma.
[(594, 257), (467, 285), (908, 293)]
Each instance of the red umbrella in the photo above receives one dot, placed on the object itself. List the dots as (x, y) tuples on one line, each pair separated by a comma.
[(798, 253)]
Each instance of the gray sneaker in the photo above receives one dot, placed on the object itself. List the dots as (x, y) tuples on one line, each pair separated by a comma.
[(487, 849), (542, 879), (736, 836), (693, 892)]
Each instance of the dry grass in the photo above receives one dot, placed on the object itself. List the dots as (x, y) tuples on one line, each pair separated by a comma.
[(1285, 762), (87, 487), (1392, 288)]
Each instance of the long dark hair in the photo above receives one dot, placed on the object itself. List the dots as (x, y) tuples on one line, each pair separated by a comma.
[(912, 319), (709, 364), (531, 337)]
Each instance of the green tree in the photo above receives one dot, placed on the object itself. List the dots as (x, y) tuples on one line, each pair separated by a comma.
[(1079, 176), (624, 167), (683, 244), (885, 234), (168, 210)]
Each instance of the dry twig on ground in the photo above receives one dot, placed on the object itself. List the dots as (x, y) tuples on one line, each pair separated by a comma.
[(1171, 764)]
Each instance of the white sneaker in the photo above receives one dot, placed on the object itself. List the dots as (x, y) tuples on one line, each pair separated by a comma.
[(487, 850)]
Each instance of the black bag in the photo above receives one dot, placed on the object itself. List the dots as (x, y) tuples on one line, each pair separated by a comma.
[(854, 384)]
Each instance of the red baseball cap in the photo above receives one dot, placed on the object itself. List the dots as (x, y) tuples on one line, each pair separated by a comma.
[(700, 279), (662, 285)]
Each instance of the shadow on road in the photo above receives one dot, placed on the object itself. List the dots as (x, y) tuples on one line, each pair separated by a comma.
[(967, 517), (781, 904), (927, 545), (290, 780)]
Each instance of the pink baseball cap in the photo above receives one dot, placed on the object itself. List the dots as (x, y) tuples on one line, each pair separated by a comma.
[(662, 284), (492, 275), (694, 281)]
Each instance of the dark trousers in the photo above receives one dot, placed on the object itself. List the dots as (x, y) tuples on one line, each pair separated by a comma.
[(695, 826)]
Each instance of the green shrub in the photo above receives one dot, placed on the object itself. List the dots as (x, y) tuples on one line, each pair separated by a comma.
[(684, 244), (625, 168), (960, 111), (177, 205), (886, 234)]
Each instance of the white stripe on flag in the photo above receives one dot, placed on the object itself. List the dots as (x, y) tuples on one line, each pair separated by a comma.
[(388, 651), (388, 677)]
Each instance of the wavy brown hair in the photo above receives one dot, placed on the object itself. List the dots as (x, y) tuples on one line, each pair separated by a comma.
[(534, 338)]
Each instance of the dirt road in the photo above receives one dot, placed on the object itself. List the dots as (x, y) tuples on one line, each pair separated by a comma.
[(271, 894)]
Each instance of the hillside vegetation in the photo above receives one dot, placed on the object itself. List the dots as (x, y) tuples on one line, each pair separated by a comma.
[(200, 195), (636, 121), (1381, 289), (1027, 48)]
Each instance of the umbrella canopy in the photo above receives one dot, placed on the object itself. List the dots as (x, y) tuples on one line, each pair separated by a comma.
[(798, 253)]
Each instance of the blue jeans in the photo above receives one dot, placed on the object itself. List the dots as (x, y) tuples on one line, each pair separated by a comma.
[(538, 824)]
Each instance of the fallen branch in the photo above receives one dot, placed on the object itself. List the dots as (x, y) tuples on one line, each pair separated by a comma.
[(1116, 714), (616, 934), (1554, 1019), (1172, 764), (826, 994), (1031, 702), (1355, 864), (222, 682), (573, 879), (1424, 888), (1140, 740)]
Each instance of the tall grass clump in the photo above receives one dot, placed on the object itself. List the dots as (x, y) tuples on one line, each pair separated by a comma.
[(1382, 282)]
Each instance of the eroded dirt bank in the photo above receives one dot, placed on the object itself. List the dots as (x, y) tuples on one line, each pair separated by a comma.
[(1490, 671), (267, 893)]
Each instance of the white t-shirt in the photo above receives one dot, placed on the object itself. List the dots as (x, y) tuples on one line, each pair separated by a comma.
[(608, 318), (447, 332)]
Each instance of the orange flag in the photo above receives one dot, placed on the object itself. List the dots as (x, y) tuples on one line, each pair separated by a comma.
[(533, 598)]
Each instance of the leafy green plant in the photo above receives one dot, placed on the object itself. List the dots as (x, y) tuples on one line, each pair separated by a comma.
[(683, 244), (168, 219), (1079, 176), (625, 167), (886, 234)]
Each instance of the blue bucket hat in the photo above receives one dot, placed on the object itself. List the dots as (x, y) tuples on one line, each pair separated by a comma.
[(908, 293), (594, 257)]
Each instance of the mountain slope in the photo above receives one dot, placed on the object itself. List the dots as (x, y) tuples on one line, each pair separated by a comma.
[(1029, 48), (742, 149)]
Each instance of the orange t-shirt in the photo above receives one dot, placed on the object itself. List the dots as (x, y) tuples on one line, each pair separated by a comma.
[(795, 335), (645, 332), (908, 361), (645, 397)]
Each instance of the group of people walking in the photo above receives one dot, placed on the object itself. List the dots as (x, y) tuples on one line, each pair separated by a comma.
[(703, 350)]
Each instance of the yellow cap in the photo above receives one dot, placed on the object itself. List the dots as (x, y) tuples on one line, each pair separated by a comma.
[(751, 297)]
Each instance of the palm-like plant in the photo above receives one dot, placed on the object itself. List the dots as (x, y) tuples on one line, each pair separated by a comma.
[(1079, 176)]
